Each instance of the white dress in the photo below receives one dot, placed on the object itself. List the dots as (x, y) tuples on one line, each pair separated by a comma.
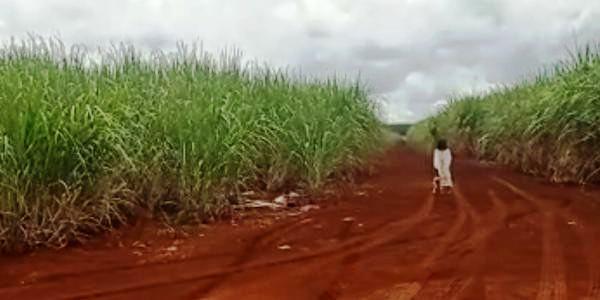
[(441, 162)]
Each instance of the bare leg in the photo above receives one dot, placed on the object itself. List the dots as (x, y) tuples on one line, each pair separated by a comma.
[(437, 187)]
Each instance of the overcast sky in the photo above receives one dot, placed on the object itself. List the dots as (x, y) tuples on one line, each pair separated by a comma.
[(412, 53)]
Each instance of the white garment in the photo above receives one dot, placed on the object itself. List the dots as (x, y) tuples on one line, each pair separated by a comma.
[(441, 162)]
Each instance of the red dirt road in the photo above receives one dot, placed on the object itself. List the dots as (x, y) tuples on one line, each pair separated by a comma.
[(500, 236)]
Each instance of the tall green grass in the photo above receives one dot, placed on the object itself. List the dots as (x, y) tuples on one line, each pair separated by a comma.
[(87, 136), (547, 126)]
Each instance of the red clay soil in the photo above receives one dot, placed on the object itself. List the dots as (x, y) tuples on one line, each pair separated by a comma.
[(499, 236)]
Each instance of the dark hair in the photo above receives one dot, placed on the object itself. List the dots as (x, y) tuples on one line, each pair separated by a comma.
[(442, 144)]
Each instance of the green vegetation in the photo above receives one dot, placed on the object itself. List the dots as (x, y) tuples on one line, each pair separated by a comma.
[(548, 126), (86, 137)]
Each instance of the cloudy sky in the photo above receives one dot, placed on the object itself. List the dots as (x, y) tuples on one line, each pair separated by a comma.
[(411, 53)]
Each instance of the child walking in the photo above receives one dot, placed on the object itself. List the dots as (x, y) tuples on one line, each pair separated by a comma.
[(442, 159)]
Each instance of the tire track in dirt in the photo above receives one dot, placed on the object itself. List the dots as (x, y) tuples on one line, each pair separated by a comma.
[(337, 252), (239, 265), (266, 239), (502, 216), (585, 233), (348, 255), (204, 292), (474, 247), (594, 262), (593, 292), (89, 292), (590, 240), (455, 287), (553, 283), (429, 290), (483, 229), (403, 291), (332, 292), (403, 226), (456, 266), (241, 262), (449, 237), (262, 239), (352, 256)]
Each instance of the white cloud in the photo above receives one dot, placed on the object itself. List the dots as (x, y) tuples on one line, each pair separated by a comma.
[(413, 52), (395, 107), (440, 103), (419, 81)]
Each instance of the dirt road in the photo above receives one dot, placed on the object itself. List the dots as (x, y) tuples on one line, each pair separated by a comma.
[(500, 236)]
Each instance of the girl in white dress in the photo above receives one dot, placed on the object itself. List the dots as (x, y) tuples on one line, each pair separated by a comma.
[(442, 159)]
